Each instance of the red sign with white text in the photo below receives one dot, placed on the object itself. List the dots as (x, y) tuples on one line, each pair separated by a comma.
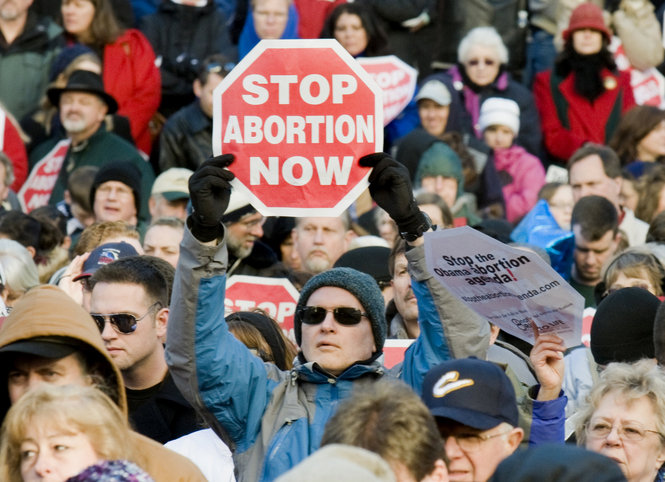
[(276, 296), (298, 114), (37, 189), (396, 79)]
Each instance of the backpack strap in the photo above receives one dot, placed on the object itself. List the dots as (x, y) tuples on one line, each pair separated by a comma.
[(614, 118)]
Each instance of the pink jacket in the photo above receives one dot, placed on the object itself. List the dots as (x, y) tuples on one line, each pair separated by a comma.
[(526, 176)]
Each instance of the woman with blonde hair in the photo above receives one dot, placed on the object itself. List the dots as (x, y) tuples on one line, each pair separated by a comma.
[(59, 431)]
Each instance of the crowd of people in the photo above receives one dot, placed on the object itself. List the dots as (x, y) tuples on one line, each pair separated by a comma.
[(540, 124)]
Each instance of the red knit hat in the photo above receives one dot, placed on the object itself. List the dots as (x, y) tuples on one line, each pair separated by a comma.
[(587, 15)]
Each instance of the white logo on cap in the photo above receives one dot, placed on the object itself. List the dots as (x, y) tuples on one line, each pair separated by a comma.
[(449, 383)]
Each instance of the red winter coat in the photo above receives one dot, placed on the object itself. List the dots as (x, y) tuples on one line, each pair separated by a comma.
[(14, 148), (131, 77), (588, 122), (312, 15)]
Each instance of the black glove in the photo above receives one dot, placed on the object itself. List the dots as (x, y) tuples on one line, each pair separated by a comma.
[(390, 187), (210, 191)]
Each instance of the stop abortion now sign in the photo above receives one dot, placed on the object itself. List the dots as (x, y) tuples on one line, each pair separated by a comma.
[(297, 115)]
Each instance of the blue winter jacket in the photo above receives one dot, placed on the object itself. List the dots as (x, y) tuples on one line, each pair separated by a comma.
[(275, 419)]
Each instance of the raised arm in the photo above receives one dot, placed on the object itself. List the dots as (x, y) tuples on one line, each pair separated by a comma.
[(448, 328), (215, 372)]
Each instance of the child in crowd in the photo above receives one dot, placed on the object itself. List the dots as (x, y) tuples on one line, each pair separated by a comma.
[(521, 174)]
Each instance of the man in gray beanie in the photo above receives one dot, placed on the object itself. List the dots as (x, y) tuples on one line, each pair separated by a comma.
[(275, 419)]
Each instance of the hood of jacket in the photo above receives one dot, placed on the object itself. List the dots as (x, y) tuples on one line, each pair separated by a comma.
[(48, 311)]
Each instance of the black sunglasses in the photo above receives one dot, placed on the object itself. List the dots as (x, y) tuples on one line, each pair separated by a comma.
[(313, 315), (124, 323)]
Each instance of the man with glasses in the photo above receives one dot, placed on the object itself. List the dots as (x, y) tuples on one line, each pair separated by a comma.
[(473, 402), (129, 304), (276, 419), (244, 226)]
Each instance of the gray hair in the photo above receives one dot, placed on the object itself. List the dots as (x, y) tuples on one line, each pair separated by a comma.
[(483, 37), (9, 169), (19, 268), (632, 381)]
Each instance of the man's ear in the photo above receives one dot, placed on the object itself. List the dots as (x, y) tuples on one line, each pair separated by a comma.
[(161, 322), (515, 438), (197, 87), (348, 237)]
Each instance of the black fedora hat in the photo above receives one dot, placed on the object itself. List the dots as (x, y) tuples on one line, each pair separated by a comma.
[(84, 81)]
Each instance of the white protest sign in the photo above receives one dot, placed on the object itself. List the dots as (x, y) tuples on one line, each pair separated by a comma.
[(298, 114), (37, 189), (397, 80), (512, 288)]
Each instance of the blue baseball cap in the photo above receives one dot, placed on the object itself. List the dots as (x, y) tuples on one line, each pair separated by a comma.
[(473, 392), (105, 254)]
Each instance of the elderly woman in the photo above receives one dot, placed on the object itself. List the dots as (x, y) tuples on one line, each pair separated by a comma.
[(481, 73), (583, 97), (625, 419), (19, 271)]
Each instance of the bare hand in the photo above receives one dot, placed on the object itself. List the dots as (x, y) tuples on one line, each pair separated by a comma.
[(67, 283), (547, 359)]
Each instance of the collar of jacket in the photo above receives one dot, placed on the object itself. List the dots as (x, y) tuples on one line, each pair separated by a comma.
[(313, 373)]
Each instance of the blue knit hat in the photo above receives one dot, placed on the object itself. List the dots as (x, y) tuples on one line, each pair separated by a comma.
[(360, 285)]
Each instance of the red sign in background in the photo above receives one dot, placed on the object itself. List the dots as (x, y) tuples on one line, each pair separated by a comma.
[(396, 79), (298, 114), (277, 296), (37, 189)]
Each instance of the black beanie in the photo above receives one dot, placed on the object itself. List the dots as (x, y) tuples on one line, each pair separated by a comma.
[(372, 260), (124, 172), (622, 328)]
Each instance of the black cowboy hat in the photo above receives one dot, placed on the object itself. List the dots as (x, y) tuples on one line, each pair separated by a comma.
[(84, 81)]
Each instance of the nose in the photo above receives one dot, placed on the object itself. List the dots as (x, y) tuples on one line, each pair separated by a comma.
[(33, 380), (318, 236), (108, 333), (257, 230), (328, 323), (43, 465), (112, 194), (613, 438), (453, 449)]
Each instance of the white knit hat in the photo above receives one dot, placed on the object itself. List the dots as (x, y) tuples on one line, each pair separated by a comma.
[(499, 111)]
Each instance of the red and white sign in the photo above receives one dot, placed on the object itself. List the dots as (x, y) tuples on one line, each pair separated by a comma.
[(396, 79), (37, 189), (298, 114), (277, 296), (394, 350)]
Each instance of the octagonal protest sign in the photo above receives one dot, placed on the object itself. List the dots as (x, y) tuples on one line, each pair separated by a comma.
[(298, 114), (276, 296), (395, 78)]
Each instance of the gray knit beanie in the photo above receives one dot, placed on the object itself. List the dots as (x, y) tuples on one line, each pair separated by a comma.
[(360, 285)]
